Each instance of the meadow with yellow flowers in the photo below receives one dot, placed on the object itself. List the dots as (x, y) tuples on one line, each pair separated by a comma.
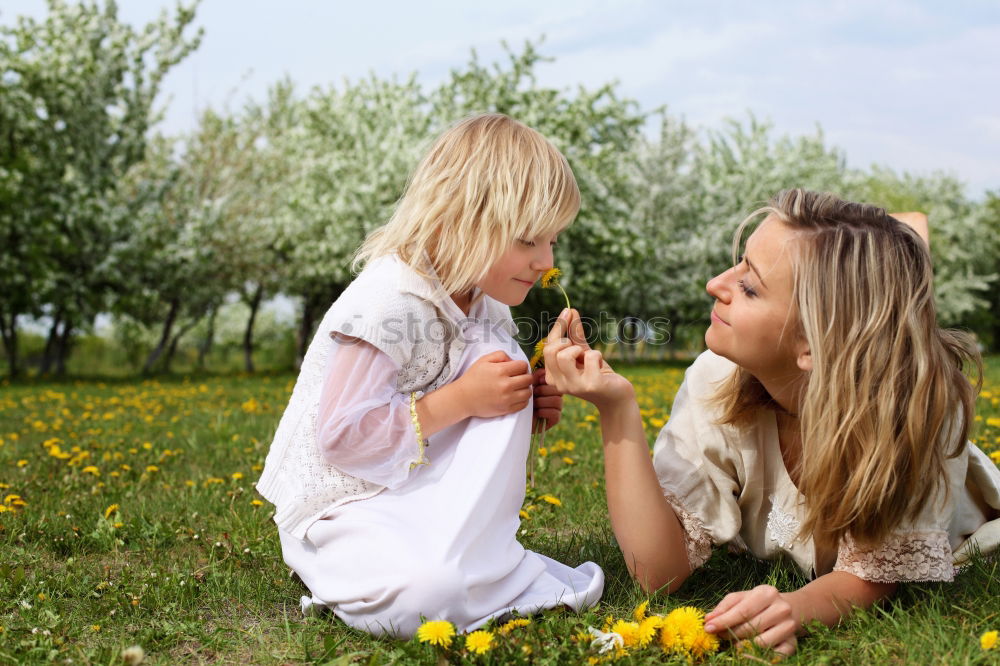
[(130, 531)]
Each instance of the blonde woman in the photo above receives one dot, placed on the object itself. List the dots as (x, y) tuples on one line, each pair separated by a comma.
[(827, 424), (398, 468)]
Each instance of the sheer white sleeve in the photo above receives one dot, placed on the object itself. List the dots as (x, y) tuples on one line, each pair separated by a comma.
[(364, 426)]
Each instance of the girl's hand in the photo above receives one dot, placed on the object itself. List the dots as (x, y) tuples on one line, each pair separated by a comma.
[(548, 402), (763, 614), (574, 368), (495, 385)]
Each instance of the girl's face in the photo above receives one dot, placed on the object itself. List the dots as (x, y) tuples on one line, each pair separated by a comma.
[(752, 320), (514, 274)]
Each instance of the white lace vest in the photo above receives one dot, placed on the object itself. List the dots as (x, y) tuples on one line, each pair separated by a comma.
[(397, 310)]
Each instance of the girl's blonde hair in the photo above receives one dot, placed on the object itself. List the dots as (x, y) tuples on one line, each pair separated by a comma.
[(886, 401), (485, 183)]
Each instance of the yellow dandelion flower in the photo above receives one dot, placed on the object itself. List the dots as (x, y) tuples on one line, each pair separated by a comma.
[(551, 500), (988, 640), (524, 514), (41, 596), (628, 630), (995, 457), (683, 631), (236, 476), (22, 463), (436, 632), (703, 643), (95, 627), (647, 629), (152, 468), (538, 358), (514, 624), (551, 279), (640, 611), (479, 642), (256, 502), (110, 510), (90, 469)]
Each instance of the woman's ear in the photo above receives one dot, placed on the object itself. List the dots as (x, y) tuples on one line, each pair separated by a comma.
[(803, 357)]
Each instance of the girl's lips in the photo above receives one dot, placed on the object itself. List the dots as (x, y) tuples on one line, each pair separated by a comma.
[(719, 319), (525, 282)]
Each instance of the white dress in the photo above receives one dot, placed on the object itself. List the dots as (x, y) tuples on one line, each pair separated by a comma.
[(440, 541)]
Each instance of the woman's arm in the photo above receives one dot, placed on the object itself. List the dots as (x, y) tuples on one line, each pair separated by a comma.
[(647, 530), (774, 619)]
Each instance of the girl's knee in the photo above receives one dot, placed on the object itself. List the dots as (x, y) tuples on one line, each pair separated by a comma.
[(425, 591)]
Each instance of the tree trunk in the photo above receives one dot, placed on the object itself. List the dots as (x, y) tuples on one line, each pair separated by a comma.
[(305, 329), (254, 304), (8, 330), (172, 348), (206, 344), (63, 347), (168, 326), (50, 344)]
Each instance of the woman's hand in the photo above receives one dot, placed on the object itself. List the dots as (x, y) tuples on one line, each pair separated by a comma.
[(762, 614), (574, 368), (495, 385), (548, 402)]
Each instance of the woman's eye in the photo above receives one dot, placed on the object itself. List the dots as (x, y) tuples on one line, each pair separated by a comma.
[(747, 289), (525, 241)]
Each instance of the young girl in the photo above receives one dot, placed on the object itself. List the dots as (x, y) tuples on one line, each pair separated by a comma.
[(827, 424), (398, 468)]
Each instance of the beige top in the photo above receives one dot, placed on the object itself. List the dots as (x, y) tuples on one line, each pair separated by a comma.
[(730, 486)]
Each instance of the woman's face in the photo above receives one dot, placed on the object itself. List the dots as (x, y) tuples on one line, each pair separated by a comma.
[(752, 321)]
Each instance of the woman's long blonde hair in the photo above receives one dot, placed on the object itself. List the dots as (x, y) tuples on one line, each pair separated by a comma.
[(485, 183), (887, 400)]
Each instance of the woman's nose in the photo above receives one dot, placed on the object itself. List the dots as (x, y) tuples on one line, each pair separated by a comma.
[(719, 287)]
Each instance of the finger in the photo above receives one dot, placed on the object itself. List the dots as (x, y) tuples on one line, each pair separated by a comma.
[(788, 647), (592, 362), (776, 635), (521, 382), (521, 398), (539, 375), (748, 607), (727, 602), (559, 327), (551, 416), (548, 401), (547, 391), (495, 357), (566, 359), (517, 368), (576, 332), (771, 616)]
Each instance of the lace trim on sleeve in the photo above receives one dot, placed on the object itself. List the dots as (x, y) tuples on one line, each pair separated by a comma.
[(697, 540), (910, 556)]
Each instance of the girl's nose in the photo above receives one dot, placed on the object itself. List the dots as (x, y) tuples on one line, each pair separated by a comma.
[(719, 287), (543, 259)]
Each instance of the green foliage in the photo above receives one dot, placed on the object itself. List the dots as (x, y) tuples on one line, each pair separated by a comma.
[(273, 199), (78, 92)]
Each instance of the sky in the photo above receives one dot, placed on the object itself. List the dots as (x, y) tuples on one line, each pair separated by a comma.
[(911, 85)]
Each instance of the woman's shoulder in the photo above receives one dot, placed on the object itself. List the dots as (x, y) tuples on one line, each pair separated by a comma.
[(702, 377)]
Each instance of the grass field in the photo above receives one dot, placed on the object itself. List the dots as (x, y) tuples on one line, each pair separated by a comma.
[(129, 518)]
